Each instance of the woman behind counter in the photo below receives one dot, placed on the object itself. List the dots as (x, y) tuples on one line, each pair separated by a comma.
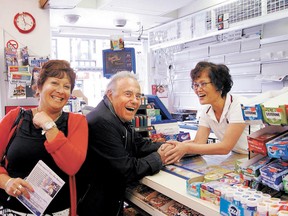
[(222, 115), (45, 133)]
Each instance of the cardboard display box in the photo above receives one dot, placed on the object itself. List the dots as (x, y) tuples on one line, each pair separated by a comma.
[(257, 140)]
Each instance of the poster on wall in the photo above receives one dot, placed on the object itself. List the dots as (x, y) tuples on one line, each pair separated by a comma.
[(160, 90)]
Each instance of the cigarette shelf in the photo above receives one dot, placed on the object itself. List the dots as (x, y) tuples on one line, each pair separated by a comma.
[(175, 188), (143, 205)]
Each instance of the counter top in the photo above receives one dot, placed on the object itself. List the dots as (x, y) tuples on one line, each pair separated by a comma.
[(174, 186)]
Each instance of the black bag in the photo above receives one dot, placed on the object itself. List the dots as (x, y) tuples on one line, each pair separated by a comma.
[(15, 124), (3, 195)]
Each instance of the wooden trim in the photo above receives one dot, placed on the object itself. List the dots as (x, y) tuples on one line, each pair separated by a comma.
[(44, 4)]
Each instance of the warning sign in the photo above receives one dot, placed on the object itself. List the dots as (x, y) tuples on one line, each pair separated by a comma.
[(12, 44)]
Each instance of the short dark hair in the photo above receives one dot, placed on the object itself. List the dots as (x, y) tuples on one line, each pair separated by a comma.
[(218, 74), (55, 68)]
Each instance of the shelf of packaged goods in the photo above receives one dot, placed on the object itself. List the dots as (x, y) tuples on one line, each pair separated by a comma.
[(175, 188), (143, 205)]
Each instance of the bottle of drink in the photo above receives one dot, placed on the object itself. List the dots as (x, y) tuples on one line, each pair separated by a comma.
[(251, 206)]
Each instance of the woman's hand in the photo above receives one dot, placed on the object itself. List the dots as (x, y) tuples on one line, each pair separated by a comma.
[(17, 186), (40, 118), (174, 154)]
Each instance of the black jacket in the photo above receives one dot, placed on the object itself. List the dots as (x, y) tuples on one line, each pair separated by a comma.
[(116, 157)]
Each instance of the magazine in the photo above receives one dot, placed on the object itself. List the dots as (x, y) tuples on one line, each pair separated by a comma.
[(46, 184)]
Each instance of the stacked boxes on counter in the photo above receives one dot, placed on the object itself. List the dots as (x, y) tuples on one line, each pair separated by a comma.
[(271, 141), (278, 147), (260, 186), (210, 188), (257, 140), (273, 174)]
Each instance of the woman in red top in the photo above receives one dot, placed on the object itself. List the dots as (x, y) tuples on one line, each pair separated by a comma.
[(45, 133)]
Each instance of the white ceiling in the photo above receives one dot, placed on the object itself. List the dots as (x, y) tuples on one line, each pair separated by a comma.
[(98, 16)]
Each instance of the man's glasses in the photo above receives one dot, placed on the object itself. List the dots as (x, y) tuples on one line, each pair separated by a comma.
[(199, 85)]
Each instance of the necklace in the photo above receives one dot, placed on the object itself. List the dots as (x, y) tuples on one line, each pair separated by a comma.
[(37, 109), (58, 116)]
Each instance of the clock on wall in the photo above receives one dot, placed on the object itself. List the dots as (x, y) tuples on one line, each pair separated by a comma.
[(24, 22)]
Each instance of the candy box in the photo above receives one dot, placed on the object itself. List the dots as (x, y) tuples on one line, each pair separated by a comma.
[(278, 147), (253, 170), (211, 191), (257, 140), (228, 208), (171, 137), (274, 171), (182, 136), (275, 115), (243, 163), (193, 186), (152, 112), (252, 113)]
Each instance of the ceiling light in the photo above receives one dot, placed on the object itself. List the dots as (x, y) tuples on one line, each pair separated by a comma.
[(71, 18), (120, 22)]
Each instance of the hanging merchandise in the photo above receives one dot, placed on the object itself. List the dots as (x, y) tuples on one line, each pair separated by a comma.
[(19, 77), (17, 91), (24, 55), (116, 42), (11, 57), (35, 64), (18, 70)]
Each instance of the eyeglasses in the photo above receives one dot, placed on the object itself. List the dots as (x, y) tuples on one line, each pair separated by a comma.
[(199, 85)]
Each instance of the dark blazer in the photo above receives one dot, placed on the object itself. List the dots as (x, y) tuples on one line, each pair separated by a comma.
[(117, 156)]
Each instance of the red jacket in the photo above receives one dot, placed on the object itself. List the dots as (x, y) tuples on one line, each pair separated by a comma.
[(68, 152)]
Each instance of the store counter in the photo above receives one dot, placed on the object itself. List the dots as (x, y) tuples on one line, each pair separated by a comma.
[(174, 186)]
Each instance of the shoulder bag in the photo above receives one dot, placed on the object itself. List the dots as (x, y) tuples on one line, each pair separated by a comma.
[(15, 127)]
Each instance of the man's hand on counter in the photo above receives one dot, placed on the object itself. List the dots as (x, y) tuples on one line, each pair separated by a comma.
[(164, 148)]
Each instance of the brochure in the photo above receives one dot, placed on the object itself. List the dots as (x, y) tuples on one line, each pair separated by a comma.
[(46, 184)]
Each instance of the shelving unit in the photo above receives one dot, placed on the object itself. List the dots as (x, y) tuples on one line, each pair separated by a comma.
[(173, 187), (143, 130), (143, 205)]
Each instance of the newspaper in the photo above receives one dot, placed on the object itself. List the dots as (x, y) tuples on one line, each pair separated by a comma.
[(46, 184)]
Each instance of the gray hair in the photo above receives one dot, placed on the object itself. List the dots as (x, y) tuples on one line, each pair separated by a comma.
[(119, 75)]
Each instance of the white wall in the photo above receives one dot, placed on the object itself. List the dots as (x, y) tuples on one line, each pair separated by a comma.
[(38, 41), (199, 5)]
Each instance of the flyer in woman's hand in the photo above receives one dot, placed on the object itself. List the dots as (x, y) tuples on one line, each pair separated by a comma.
[(46, 184)]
